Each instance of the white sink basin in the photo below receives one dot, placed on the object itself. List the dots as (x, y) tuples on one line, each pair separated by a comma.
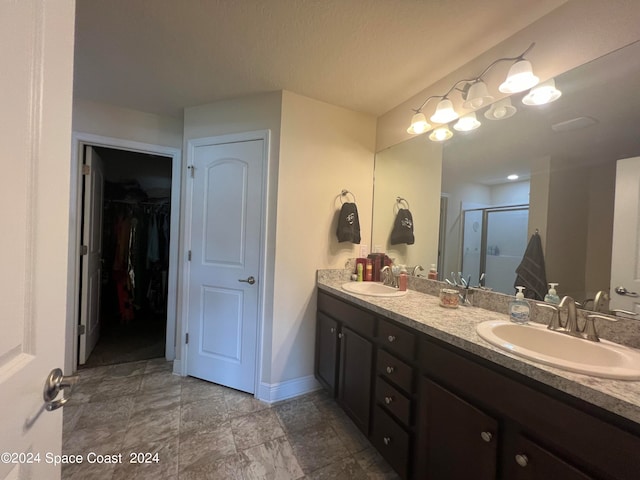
[(534, 341), (373, 289)]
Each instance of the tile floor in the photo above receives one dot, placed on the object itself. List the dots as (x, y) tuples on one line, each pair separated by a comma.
[(202, 430)]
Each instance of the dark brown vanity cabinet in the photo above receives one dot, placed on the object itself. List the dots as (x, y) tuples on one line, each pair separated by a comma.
[(437, 412), (344, 356)]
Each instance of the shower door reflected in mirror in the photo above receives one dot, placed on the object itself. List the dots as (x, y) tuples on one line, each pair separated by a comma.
[(494, 241)]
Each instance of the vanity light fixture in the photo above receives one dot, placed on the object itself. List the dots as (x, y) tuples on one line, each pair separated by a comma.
[(543, 93), (475, 95), (500, 110), (418, 124), (441, 134), (467, 122)]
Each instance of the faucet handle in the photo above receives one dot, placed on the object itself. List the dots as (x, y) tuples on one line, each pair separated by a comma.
[(590, 332), (554, 323)]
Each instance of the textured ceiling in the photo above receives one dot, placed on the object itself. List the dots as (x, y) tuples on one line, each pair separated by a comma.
[(160, 56)]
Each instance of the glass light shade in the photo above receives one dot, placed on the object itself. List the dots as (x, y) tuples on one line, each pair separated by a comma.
[(520, 78), (467, 123), (441, 134), (444, 112), (478, 96), (546, 92), (418, 124), (500, 110)]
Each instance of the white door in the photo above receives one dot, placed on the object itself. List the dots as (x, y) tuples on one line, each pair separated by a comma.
[(625, 258), (92, 253), (36, 54), (225, 262)]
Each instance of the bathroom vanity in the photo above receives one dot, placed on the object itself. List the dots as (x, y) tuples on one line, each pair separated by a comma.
[(438, 402)]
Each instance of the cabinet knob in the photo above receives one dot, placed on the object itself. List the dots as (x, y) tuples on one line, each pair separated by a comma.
[(387, 440), (333, 330), (486, 436), (391, 338), (522, 460), (389, 370), (340, 335), (388, 400)]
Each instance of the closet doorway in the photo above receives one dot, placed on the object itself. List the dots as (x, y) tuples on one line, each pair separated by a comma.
[(131, 313)]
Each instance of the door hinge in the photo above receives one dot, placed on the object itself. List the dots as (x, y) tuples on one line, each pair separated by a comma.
[(84, 249), (186, 340), (189, 255), (191, 170), (81, 329), (86, 169)]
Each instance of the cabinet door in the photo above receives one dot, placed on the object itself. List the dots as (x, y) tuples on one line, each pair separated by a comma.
[(460, 441), (326, 352), (356, 367), (532, 462)]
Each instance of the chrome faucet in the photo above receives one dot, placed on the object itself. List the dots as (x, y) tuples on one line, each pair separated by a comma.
[(416, 269), (570, 327), (388, 278)]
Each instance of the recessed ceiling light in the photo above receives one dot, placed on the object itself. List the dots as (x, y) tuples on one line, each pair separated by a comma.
[(513, 176)]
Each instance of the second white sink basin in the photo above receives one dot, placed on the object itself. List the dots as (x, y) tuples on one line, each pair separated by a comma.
[(534, 341), (373, 289)]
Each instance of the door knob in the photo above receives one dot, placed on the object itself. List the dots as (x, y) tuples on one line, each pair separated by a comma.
[(54, 383), (624, 291), (249, 280)]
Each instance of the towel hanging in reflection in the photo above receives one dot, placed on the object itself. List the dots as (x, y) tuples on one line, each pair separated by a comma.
[(403, 228), (348, 224), (531, 272)]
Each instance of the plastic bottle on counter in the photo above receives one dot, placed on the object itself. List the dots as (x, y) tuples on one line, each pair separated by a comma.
[(368, 271), (403, 279), (519, 309), (359, 269), (433, 273)]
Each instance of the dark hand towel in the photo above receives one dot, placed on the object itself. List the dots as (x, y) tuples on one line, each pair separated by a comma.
[(348, 224), (403, 228), (531, 273)]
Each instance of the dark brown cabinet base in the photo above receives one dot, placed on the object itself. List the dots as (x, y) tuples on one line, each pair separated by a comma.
[(436, 412)]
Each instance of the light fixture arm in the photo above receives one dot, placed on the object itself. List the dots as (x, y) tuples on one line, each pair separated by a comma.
[(475, 79)]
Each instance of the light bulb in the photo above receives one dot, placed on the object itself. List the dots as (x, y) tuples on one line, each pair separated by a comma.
[(520, 78), (467, 123), (418, 124), (541, 94), (441, 134), (444, 112)]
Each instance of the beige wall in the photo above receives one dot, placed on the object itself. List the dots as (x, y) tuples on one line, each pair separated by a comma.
[(123, 123), (323, 149), (573, 34)]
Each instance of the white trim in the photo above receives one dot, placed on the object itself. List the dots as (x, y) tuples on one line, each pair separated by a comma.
[(277, 392), (177, 367), (191, 144), (78, 141)]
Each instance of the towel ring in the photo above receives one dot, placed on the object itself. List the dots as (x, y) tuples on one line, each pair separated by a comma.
[(344, 193), (400, 203)]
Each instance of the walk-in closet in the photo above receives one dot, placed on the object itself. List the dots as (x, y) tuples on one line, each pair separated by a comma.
[(135, 238)]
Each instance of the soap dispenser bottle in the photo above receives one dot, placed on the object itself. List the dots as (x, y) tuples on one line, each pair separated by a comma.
[(519, 309), (552, 296)]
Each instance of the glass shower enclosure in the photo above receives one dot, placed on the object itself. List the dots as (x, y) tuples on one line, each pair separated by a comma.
[(493, 242)]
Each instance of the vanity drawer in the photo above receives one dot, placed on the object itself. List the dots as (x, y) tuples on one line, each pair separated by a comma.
[(391, 441), (394, 370), (393, 400), (358, 320), (396, 339)]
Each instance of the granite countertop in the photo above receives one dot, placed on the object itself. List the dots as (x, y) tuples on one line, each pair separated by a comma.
[(422, 312)]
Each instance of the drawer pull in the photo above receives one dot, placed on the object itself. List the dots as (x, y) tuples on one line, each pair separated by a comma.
[(486, 436), (333, 330), (522, 460), (387, 440), (390, 370), (340, 335), (388, 400), (391, 338)]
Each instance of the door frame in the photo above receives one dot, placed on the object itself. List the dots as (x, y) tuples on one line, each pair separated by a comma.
[(191, 144), (78, 142)]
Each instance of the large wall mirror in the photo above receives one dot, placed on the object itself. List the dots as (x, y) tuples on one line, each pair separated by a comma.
[(470, 218)]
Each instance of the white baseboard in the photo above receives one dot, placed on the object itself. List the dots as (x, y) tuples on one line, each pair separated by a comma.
[(177, 367), (276, 392)]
